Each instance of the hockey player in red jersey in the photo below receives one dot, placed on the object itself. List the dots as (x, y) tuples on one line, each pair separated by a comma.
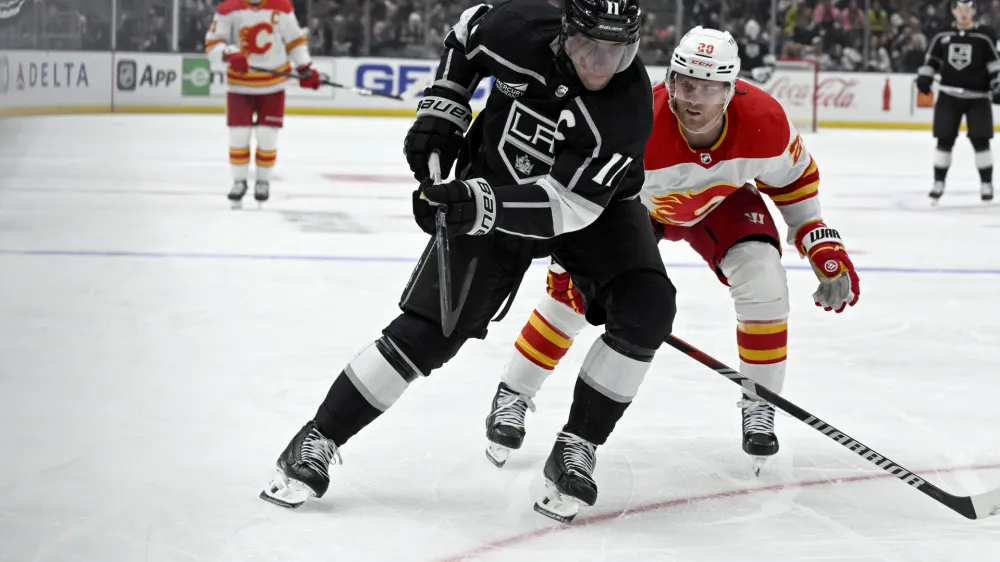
[(261, 34), (712, 136)]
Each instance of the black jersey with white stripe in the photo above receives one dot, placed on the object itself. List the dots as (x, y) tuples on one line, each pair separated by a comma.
[(965, 58), (555, 154)]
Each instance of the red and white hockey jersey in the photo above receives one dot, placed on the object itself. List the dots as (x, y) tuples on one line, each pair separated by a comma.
[(267, 33), (758, 143)]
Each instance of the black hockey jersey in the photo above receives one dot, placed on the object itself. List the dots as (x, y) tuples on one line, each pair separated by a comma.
[(754, 53), (555, 153), (966, 59)]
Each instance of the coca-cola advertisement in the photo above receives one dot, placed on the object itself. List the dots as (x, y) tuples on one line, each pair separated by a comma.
[(797, 89)]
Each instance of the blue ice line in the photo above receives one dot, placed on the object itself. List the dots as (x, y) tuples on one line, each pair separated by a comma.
[(391, 259)]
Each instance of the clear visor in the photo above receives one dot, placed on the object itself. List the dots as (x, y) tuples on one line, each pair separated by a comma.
[(599, 57), (697, 90)]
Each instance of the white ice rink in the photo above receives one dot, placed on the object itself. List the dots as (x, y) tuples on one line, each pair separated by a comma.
[(158, 350)]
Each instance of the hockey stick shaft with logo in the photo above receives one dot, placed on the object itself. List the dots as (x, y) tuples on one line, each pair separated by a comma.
[(972, 507), (325, 82)]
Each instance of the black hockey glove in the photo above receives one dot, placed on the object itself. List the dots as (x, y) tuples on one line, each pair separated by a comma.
[(442, 119), (925, 79), (995, 90), (470, 206)]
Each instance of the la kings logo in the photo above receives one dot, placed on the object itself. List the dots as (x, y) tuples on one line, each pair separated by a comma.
[(959, 55), (528, 144)]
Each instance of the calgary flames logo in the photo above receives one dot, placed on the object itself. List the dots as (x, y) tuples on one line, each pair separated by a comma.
[(686, 208), (250, 39)]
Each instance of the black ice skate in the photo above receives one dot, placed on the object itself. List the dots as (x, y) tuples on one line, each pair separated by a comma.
[(237, 192), (759, 440), (303, 468), (569, 480), (986, 192), (936, 192), (505, 424), (261, 191)]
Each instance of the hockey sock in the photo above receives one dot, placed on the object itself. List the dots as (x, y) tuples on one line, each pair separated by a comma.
[(542, 343), (942, 158), (239, 152), (369, 385), (608, 381), (984, 159), (763, 349), (267, 151)]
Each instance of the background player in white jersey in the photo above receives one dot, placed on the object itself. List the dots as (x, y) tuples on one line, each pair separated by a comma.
[(263, 35), (696, 189)]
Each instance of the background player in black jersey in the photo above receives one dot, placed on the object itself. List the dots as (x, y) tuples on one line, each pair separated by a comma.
[(757, 63), (967, 60), (552, 166)]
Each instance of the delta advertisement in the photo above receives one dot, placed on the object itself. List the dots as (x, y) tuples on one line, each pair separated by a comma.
[(54, 82), (39, 82)]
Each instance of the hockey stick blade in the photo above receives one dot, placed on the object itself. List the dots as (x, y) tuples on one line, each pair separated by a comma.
[(972, 507), (325, 82)]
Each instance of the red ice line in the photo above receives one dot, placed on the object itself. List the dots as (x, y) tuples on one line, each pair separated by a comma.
[(602, 517)]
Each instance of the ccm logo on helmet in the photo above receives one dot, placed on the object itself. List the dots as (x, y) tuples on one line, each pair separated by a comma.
[(696, 62)]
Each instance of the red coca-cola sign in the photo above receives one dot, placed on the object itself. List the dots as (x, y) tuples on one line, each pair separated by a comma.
[(830, 92)]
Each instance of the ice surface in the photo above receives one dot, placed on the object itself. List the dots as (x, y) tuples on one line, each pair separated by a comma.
[(157, 351)]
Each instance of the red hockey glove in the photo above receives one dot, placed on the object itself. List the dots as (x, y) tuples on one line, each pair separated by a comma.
[(838, 282), (236, 60), (309, 77)]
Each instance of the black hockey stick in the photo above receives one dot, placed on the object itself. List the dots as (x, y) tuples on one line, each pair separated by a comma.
[(973, 507), (449, 315), (325, 82)]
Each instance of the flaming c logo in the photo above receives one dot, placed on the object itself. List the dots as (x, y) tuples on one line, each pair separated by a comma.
[(684, 208), (250, 39)]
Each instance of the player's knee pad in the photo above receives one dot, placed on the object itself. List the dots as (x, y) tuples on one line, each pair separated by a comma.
[(979, 144), (267, 137), (946, 143), (240, 137), (640, 306), (757, 281), (420, 343)]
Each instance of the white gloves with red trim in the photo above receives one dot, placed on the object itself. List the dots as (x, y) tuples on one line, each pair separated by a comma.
[(839, 286)]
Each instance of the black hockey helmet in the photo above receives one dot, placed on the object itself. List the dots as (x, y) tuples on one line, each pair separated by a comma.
[(600, 37), (615, 21)]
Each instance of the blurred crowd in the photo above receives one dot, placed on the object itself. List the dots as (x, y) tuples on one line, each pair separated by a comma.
[(833, 32)]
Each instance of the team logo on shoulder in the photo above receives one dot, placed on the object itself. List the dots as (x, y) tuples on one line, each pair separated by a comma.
[(512, 91), (528, 145), (959, 55)]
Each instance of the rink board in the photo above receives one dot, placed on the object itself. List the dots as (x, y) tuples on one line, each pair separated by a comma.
[(52, 83)]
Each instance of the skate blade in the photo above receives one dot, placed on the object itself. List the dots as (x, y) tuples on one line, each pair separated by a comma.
[(558, 506), (286, 492), (497, 454), (235, 204), (757, 463)]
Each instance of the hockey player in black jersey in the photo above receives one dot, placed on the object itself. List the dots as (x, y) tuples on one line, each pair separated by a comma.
[(551, 167), (757, 63), (967, 60)]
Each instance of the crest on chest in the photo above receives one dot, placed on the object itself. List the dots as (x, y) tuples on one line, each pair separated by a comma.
[(528, 144)]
